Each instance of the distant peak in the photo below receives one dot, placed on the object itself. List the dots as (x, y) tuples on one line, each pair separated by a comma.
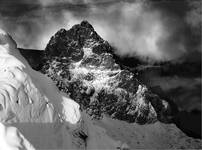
[(67, 42)]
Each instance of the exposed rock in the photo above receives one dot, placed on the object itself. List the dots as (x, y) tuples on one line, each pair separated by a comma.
[(83, 65)]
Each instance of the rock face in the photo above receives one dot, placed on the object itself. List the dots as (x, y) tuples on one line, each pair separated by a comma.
[(83, 65)]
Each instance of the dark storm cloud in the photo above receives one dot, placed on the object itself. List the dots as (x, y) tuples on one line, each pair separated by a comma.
[(187, 14), (160, 30), (13, 8)]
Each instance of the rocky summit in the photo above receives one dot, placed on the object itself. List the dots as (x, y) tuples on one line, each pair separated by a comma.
[(84, 66)]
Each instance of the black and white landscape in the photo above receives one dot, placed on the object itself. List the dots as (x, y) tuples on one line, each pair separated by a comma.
[(89, 74)]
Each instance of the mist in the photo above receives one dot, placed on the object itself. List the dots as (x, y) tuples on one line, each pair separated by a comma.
[(134, 28)]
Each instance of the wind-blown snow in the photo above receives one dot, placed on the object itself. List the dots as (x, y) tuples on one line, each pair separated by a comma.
[(101, 74), (102, 78)]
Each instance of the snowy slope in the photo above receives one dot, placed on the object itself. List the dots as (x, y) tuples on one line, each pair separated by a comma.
[(12, 139), (48, 118), (149, 136), (26, 95)]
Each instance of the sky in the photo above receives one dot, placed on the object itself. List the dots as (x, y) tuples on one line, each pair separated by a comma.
[(160, 30)]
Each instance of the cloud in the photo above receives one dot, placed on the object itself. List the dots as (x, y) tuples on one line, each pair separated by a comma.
[(194, 14), (194, 19), (78, 2), (137, 29), (34, 29), (133, 27)]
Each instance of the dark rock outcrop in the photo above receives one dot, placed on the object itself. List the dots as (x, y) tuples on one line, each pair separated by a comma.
[(83, 65), (34, 57)]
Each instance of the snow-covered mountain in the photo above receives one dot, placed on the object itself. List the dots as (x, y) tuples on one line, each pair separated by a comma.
[(83, 65), (83, 68)]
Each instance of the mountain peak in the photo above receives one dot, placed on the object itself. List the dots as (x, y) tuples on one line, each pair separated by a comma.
[(86, 24), (70, 43), (83, 65)]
